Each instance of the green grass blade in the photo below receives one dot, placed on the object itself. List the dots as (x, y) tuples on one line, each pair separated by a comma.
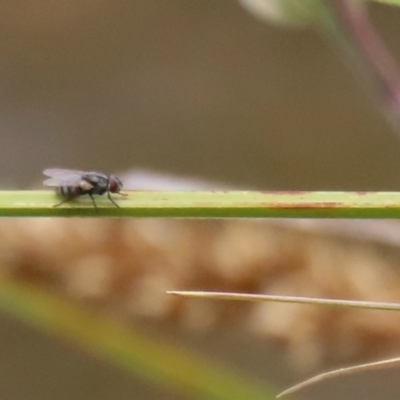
[(127, 348), (233, 204)]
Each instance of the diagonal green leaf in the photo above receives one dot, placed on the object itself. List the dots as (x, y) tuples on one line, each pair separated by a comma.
[(127, 348)]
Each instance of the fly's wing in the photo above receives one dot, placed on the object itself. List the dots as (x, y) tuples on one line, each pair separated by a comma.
[(57, 172), (62, 177)]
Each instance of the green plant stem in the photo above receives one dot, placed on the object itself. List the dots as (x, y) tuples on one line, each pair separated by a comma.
[(234, 204)]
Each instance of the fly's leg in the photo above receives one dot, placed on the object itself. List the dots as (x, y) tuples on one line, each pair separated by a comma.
[(64, 201), (94, 202), (67, 193), (112, 201)]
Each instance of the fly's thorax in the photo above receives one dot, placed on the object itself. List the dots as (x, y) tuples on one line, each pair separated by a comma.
[(94, 183), (85, 185)]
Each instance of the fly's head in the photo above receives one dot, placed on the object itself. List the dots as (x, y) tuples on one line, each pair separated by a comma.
[(114, 184)]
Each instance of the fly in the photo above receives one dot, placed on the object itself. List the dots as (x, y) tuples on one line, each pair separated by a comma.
[(72, 184)]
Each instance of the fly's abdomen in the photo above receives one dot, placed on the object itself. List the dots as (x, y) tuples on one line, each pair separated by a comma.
[(69, 192)]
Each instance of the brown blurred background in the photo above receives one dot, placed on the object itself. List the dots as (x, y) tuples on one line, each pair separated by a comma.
[(196, 88), (199, 88)]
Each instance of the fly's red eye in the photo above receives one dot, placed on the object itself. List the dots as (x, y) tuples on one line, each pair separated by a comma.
[(114, 185)]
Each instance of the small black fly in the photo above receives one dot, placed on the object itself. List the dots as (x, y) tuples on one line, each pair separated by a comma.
[(72, 184)]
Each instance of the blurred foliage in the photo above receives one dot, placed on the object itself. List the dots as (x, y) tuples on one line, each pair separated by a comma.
[(296, 13), (392, 2), (288, 12)]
